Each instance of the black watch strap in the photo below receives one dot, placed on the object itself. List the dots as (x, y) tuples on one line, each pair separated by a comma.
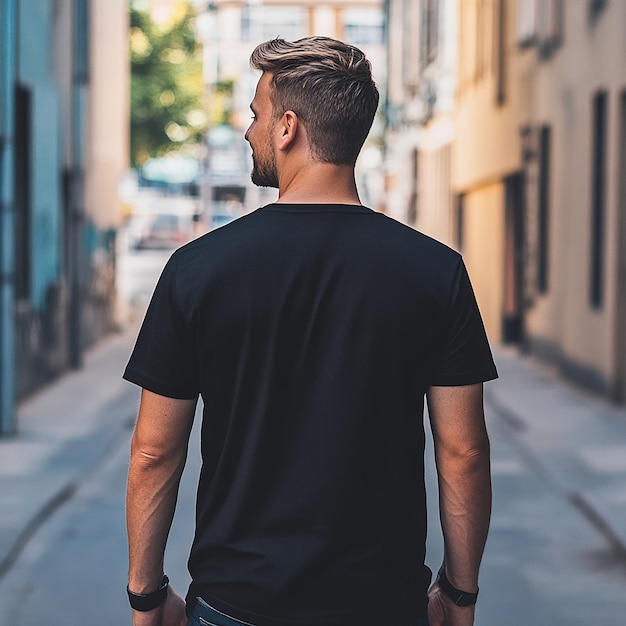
[(149, 601), (460, 598)]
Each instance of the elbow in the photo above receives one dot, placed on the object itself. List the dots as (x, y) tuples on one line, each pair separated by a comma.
[(146, 460), (478, 450), (471, 458), (149, 457), (477, 458)]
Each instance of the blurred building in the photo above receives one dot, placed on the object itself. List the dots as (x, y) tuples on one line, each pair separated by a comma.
[(63, 130), (538, 166), (421, 80), (574, 147), (488, 178)]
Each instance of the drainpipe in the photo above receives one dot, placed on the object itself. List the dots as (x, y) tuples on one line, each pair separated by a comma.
[(7, 218)]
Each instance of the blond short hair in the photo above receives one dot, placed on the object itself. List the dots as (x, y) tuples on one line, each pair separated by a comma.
[(328, 84)]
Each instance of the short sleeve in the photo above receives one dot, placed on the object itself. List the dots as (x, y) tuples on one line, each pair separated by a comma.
[(163, 359), (463, 355)]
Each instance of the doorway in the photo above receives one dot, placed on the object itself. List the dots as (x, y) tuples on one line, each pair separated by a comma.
[(513, 301), (619, 385)]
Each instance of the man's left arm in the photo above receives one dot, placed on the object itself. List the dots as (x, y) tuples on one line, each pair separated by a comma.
[(158, 454)]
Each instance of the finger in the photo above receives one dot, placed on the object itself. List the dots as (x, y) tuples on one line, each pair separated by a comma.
[(436, 613)]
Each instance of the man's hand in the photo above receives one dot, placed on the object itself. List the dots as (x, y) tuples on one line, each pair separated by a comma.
[(170, 613), (443, 612)]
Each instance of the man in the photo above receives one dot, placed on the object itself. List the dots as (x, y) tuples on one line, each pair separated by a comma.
[(312, 328)]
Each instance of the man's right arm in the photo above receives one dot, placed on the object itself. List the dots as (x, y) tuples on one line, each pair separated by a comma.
[(463, 469), (158, 455)]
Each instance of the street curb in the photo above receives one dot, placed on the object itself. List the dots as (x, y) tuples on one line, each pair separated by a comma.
[(81, 454), (516, 425), (63, 494), (55, 502)]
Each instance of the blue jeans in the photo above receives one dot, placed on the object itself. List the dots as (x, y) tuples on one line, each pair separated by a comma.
[(205, 615)]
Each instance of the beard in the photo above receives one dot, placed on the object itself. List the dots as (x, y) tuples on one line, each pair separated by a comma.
[(264, 173)]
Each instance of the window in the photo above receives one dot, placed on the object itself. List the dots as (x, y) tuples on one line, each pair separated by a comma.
[(363, 27), (544, 208), (595, 8), (598, 191), (247, 24), (260, 23), (499, 56), (411, 65), (549, 26), (412, 209), (430, 31), (526, 22), (460, 222), (81, 42)]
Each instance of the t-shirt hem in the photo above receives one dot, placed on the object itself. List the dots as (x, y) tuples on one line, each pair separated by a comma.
[(145, 381), (462, 380)]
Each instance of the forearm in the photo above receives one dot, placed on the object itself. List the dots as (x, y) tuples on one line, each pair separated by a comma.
[(465, 511), (152, 491)]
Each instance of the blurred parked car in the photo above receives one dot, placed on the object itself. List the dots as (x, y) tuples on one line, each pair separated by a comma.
[(172, 175), (219, 219), (160, 230)]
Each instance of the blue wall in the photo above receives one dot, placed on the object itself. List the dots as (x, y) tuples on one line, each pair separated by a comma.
[(7, 258), (36, 19), (49, 306)]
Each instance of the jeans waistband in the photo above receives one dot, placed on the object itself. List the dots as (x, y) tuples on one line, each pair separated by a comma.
[(207, 615)]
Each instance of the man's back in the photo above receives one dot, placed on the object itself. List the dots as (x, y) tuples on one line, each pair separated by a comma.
[(312, 333)]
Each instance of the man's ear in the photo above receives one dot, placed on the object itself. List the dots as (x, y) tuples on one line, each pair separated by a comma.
[(288, 126)]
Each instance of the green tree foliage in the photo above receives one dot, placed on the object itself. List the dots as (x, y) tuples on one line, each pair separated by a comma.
[(167, 92), (222, 105)]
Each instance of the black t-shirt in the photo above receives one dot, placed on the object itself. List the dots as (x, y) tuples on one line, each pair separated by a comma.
[(312, 333)]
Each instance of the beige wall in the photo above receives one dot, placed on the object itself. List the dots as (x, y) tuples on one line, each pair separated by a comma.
[(486, 149), (483, 251), (582, 338), (436, 209), (554, 90), (487, 146), (481, 155), (108, 121)]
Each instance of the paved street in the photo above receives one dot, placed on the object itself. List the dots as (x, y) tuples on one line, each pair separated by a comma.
[(555, 555)]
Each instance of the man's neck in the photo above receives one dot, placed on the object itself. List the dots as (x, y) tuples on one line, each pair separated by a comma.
[(319, 183)]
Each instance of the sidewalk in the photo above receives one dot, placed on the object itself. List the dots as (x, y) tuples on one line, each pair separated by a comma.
[(64, 431), (574, 440)]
